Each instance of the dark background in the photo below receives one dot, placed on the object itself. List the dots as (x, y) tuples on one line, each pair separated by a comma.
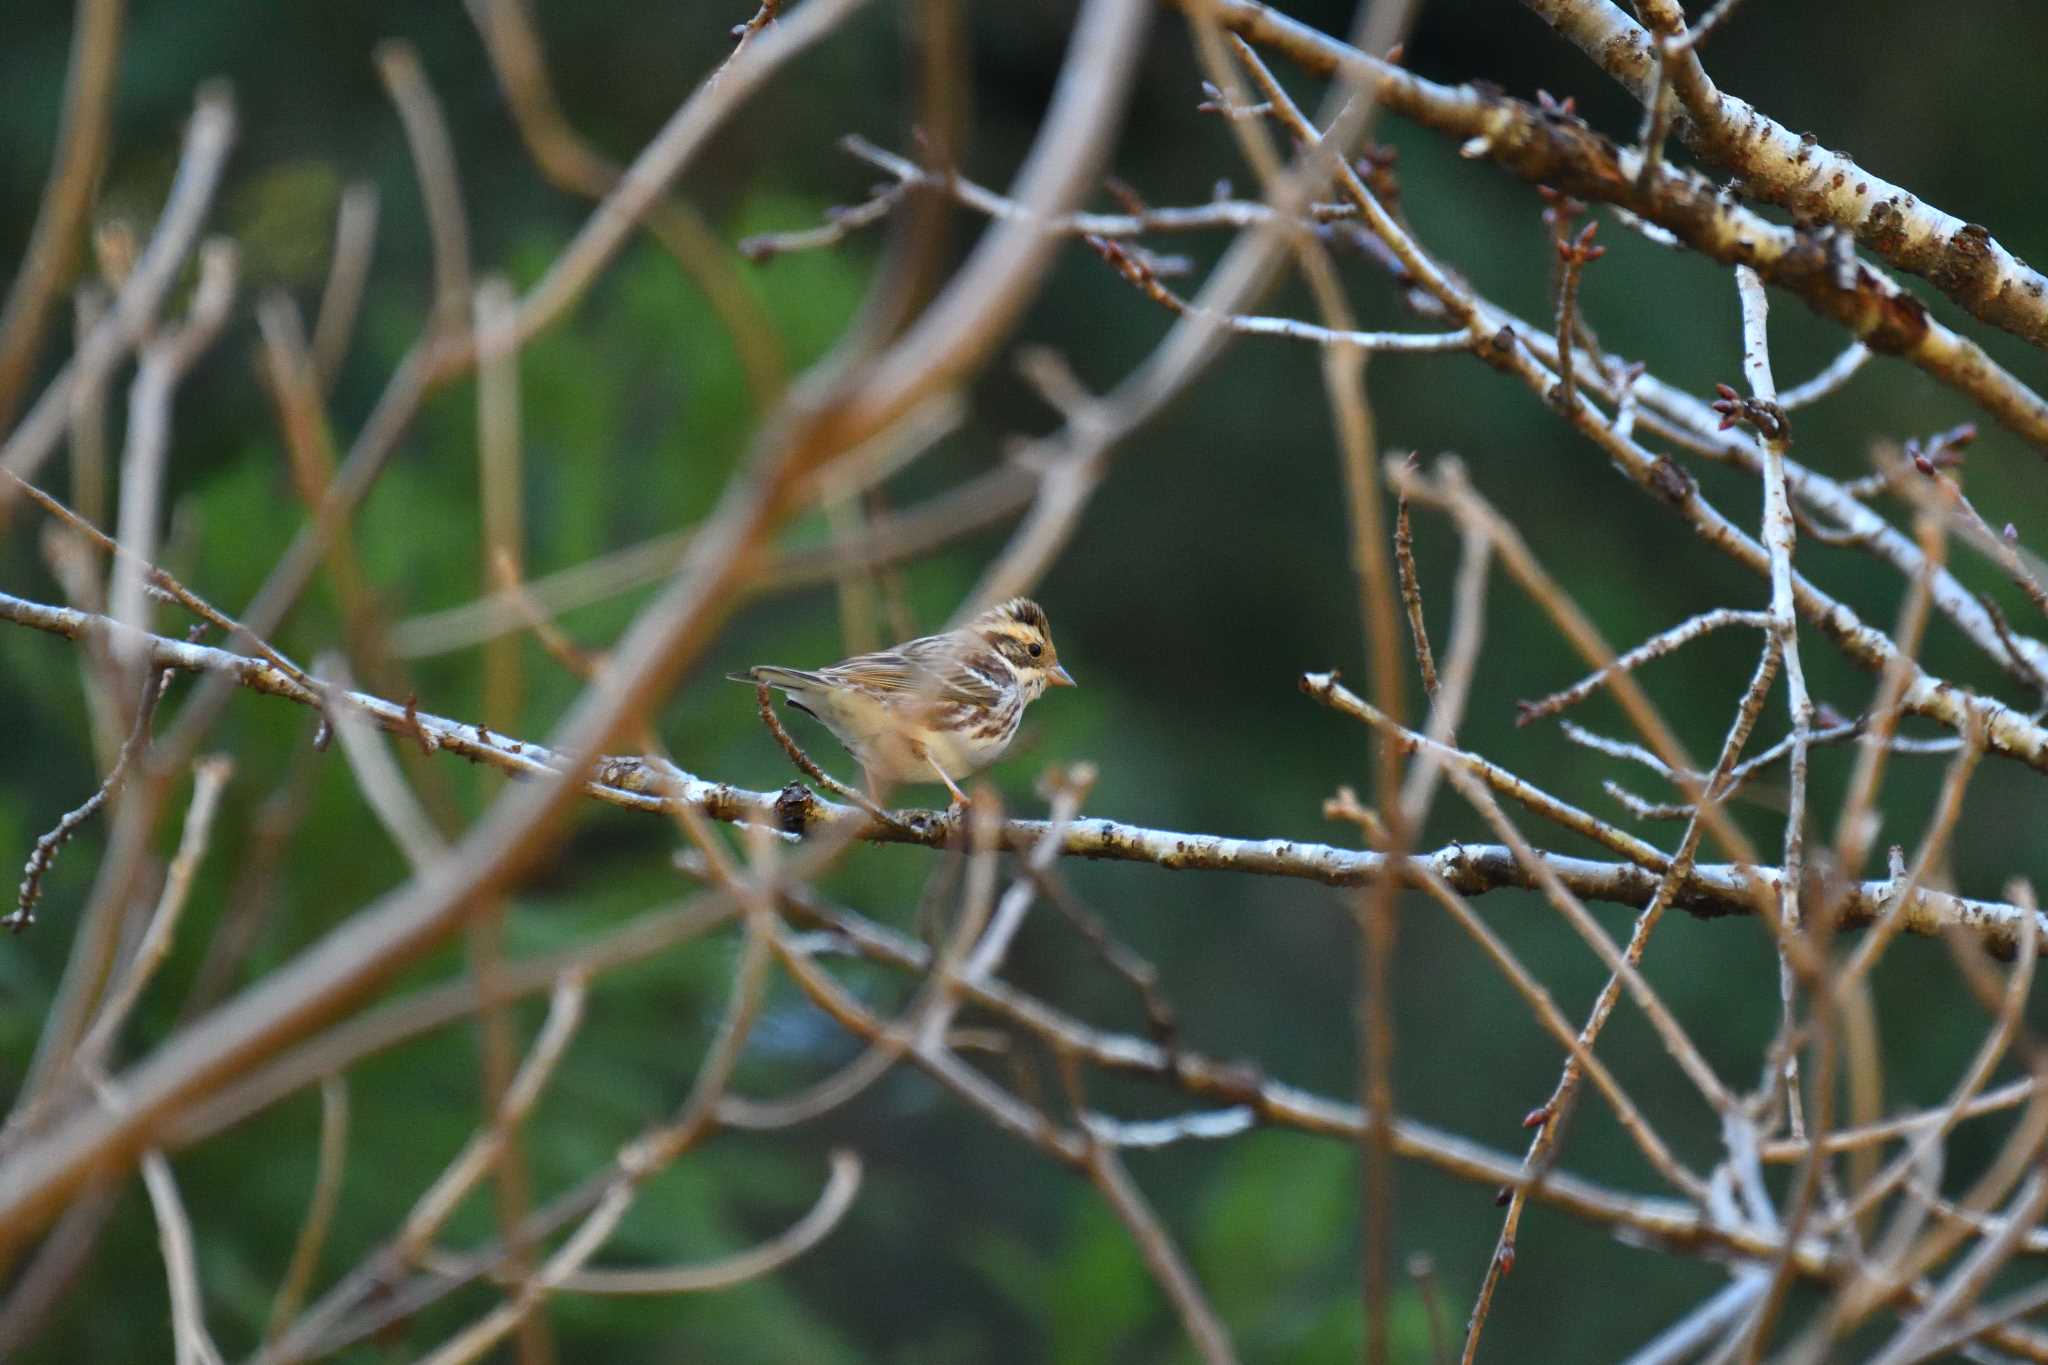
[(1207, 574)]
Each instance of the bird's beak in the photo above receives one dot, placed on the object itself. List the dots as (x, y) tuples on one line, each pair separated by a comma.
[(1059, 677)]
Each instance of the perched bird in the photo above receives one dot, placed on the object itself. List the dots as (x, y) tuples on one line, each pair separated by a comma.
[(939, 707)]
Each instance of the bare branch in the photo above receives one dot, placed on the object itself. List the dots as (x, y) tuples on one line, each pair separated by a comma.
[(637, 784), (837, 1197), (81, 150), (1571, 157), (1782, 167), (348, 272), (433, 155), (133, 312), (305, 1261), (174, 1232), (209, 779), (1162, 1257)]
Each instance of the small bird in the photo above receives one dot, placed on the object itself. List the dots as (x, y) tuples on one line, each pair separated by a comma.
[(940, 706)]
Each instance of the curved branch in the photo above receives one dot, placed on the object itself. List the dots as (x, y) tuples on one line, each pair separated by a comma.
[(767, 1258)]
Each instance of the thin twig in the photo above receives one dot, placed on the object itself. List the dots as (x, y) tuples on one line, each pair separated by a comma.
[(971, 507), (209, 779), (1324, 688), (174, 1234), (348, 272), (1656, 647), (1343, 374), (82, 137), (501, 483), (1137, 271), (166, 358), (160, 580), (1837, 372), (312, 1238), (50, 843), (133, 313), (764, 702), (1546, 1148), (433, 156), (1411, 593), (480, 1154), (1574, 255), (1161, 1256), (841, 1185), (569, 162)]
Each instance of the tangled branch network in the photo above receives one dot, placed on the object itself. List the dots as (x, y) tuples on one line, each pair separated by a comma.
[(1835, 1219)]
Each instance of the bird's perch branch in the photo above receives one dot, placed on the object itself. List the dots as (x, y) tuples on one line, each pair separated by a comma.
[(642, 784)]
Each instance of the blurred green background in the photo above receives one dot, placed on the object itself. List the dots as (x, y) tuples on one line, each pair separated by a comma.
[(1208, 573)]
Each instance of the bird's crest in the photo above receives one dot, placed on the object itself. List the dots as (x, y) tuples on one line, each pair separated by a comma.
[(1022, 610)]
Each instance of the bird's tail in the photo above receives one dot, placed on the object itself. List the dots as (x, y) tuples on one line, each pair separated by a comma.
[(788, 679), (794, 683)]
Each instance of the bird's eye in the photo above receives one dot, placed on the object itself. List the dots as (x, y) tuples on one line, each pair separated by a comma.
[(1037, 650)]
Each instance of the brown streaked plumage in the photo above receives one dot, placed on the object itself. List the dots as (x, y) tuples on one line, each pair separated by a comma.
[(936, 708)]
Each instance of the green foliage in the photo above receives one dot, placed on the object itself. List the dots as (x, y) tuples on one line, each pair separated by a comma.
[(282, 220)]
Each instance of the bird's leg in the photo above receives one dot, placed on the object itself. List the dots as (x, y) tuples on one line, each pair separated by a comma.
[(921, 751), (959, 797)]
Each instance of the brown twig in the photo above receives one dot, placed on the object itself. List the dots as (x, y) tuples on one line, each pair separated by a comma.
[(167, 356), (1161, 1021), (294, 384), (501, 485), (1573, 257), (970, 507), (81, 149), (49, 844), (160, 580), (841, 1185), (433, 156), (209, 779), (174, 1234), (1161, 1256), (348, 273), (1343, 374), (764, 705), (574, 658), (480, 1154), (570, 163), (1325, 689), (1411, 592), (312, 1238), (1546, 1148)]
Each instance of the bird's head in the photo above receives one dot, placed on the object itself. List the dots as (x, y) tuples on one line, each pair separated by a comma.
[(1018, 631)]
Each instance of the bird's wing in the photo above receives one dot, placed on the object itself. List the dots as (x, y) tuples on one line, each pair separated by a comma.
[(934, 667)]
